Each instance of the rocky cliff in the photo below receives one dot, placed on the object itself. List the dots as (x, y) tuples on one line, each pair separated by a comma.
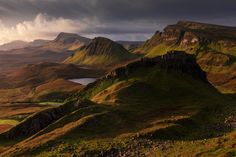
[(213, 45), (177, 61)]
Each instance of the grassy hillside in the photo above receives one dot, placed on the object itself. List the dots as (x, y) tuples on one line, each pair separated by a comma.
[(213, 45), (159, 106), (101, 52)]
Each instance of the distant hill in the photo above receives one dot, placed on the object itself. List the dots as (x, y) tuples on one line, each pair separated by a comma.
[(101, 52), (37, 43), (22, 44), (13, 45), (129, 45), (68, 41), (214, 46), (16, 58), (39, 50)]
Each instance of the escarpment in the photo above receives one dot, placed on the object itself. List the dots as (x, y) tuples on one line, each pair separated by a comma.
[(173, 61)]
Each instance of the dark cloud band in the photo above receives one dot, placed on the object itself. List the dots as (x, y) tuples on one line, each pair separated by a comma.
[(149, 15)]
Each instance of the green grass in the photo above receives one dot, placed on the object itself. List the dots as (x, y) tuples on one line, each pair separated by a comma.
[(163, 48), (51, 103), (81, 58), (9, 122)]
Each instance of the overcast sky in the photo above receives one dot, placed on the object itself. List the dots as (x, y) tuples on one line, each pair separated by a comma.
[(116, 19)]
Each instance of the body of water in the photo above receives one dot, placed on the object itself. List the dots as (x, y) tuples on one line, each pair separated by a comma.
[(83, 81)]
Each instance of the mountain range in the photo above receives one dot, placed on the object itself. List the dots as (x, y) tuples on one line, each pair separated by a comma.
[(173, 95)]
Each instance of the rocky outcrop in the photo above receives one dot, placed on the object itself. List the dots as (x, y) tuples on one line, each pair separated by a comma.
[(172, 35), (214, 47), (187, 33), (173, 61)]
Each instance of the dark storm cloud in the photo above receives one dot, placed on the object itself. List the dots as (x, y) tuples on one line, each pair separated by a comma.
[(122, 9), (123, 16)]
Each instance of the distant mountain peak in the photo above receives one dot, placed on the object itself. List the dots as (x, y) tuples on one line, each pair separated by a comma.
[(66, 35), (69, 41), (16, 44)]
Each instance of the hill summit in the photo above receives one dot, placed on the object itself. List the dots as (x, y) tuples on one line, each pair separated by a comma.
[(68, 41), (101, 51)]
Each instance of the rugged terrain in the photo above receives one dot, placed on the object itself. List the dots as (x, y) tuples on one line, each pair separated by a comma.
[(179, 110), (214, 47), (36, 87), (174, 95)]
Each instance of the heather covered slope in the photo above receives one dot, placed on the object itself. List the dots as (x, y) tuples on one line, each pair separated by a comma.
[(143, 108), (101, 52), (214, 47)]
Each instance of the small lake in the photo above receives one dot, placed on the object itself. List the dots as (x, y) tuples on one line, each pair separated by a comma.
[(83, 81)]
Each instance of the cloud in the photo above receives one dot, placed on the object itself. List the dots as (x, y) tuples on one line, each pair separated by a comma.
[(120, 10), (43, 26), (115, 18)]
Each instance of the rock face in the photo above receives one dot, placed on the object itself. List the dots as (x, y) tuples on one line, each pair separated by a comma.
[(176, 61), (186, 33), (213, 45)]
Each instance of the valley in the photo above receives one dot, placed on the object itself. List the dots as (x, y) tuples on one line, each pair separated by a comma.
[(172, 95)]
